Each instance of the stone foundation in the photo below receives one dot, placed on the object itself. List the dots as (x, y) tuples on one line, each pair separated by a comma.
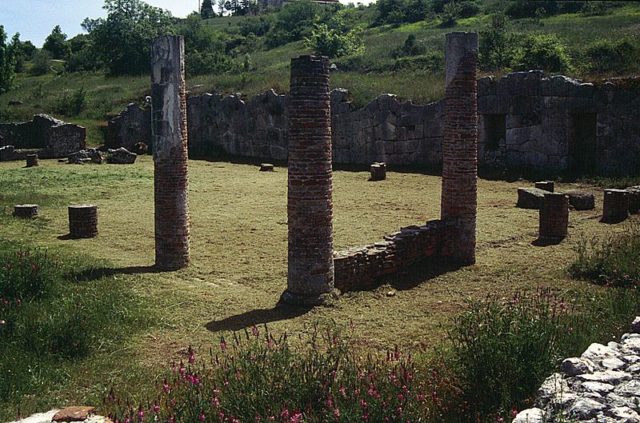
[(32, 160), (170, 153), (378, 172), (83, 221)]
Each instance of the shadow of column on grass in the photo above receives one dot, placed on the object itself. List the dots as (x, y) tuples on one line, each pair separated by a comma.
[(98, 273), (256, 317)]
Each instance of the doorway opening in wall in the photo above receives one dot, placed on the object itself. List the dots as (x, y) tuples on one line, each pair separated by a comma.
[(495, 131), (582, 143)]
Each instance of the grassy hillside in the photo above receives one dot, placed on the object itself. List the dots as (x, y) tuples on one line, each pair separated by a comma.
[(366, 76)]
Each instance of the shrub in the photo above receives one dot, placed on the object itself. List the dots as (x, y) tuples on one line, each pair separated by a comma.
[(256, 377), (25, 274), (496, 51), (409, 48), (71, 104), (612, 56), (431, 62), (450, 13), (512, 345), (610, 261), (334, 42), (544, 52), (40, 63)]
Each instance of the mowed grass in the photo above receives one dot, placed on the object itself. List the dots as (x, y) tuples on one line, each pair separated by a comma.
[(239, 252)]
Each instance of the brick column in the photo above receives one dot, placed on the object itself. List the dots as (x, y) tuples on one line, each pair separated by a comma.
[(169, 139), (310, 278), (460, 143)]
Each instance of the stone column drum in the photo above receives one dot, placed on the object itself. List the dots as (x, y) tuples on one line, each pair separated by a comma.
[(615, 207), (310, 278), (83, 221), (460, 144), (32, 160), (26, 211), (554, 217), (169, 138)]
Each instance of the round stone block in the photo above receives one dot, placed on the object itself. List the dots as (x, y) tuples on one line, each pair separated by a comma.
[(32, 160), (83, 221), (266, 167), (554, 217), (615, 207), (26, 211), (378, 171)]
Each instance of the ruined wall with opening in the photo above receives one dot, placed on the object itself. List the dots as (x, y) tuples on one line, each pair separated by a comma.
[(525, 120), (51, 137)]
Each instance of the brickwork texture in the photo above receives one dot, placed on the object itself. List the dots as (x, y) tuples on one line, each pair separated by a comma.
[(169, 133)]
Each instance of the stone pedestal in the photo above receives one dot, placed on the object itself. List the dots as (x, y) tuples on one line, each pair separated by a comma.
[(169, 132), (378, 171), (554, 217), (32, 160), (310, 279), (545, 185), (266, 167), (615, 207), (460, 143), (26, 211), (634, 199), (83, 221)]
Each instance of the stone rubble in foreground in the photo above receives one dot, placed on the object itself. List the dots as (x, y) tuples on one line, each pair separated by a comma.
[(600, 386)]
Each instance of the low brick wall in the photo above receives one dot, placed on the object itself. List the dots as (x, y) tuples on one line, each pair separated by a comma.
[(362, 268)]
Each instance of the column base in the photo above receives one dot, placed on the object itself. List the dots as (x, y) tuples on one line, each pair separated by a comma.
[(326, 299)]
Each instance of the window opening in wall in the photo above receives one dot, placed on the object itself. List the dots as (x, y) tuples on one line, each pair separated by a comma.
[(582, 142), (495, 131)]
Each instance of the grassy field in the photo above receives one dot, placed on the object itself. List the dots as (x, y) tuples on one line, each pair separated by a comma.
[(239, 248)]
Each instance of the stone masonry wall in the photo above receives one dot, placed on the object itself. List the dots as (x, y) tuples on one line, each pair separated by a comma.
[(535, 113), (52, 137)]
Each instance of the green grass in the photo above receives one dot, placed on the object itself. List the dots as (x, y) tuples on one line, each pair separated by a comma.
[(239, 249), (56, 324)]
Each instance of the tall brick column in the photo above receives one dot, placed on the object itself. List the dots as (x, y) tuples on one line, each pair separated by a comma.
[(310, 206), (169, 138), (460, 144)]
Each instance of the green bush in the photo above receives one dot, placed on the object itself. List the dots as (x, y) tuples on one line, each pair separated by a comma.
[(544, 51), (334, 42), (40, 64), (613, 56), (610, 261), (71, 104), (512, 345), (430, 62)]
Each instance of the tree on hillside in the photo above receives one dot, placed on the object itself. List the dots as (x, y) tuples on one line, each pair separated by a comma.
[(206, 10), (122, 41), (7, 62), (56, 43)]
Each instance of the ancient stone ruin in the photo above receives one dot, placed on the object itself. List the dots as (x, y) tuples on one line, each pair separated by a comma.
[(170, 153), (526, 120), (83, 221), (45, 136), (460, 144), (454, 236), (310, 279)]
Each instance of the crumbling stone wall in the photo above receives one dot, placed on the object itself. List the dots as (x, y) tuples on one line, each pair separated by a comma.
[(129, 128), (52, 138), (525, 120)]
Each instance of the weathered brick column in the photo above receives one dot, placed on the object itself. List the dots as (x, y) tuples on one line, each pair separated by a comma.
[(169, 136), (554, 217), (460, 143), (310, 278)]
